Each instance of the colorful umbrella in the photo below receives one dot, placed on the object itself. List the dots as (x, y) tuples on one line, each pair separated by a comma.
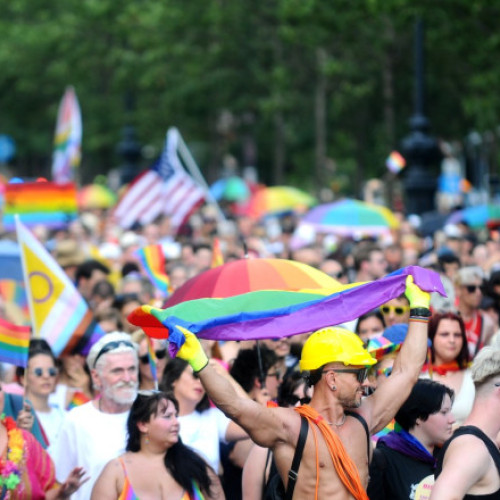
[(248, 275), (477, 216), (277, 200), (348, 218), (230, 189), (96, 196)]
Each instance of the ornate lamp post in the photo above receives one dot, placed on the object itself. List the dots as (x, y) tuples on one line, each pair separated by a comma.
[(419, 148)]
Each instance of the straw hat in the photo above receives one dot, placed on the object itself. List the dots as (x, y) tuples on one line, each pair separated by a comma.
[(68, 253)]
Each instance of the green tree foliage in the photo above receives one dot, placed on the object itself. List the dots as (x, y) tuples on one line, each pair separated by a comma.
[(321, 90)]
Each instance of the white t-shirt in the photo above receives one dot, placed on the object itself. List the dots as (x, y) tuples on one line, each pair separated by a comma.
[(203, 431), (51, 422), (88, 438)]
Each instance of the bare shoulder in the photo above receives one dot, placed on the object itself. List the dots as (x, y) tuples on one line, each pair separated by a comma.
[(469, 446)]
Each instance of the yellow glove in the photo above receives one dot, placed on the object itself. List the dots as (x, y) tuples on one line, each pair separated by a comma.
[(192, 352), (416, 296)]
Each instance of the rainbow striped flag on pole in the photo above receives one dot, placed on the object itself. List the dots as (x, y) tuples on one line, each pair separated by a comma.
[(59, 313), (14, 343), (152, 259), (68, 138), (153, 361)]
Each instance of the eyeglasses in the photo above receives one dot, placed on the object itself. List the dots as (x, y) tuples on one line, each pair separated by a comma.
[(397, 310), (384, 371), (472, 288), (337, 275), (360, 373), (160, 354), (111, 346), (292, 400), (51, 372), (276, 374)]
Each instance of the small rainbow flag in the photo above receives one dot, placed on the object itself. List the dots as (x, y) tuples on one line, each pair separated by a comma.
[(14, 343), (78, 399), (152, 259), (395, 162), (47, 203), (13, 292), (217, 257), (380, 346), (153, 360)]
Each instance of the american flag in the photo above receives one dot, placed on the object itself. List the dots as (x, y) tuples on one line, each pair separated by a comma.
[(166, 188)]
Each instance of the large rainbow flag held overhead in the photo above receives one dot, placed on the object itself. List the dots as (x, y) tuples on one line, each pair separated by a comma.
[(14, 343), (274, 313), (68, 138), (59, 313), (53, 205)]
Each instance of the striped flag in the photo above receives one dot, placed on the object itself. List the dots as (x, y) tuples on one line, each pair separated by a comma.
[(68, 138), (14, 343), (395, 162), (59, 313), (153, 361), (166, 188), (152, 259)]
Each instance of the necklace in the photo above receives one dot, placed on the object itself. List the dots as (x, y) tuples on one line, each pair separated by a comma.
[(335, 424), (10, 475)]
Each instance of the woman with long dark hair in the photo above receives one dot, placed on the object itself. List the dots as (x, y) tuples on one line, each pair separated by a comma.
[(156, 464)]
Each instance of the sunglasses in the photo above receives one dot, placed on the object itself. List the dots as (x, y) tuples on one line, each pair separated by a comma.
[(38, 372), (384, 371), (397, 310), (292, 400), (276, 374), (148, 393), (472, 288), (160, 354), (111, 346), (360, 373), (337, 275)]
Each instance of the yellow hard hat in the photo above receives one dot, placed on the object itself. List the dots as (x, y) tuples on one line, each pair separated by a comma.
[(334, 344)]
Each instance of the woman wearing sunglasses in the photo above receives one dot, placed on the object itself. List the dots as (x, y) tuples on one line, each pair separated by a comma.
[(39, 380), (146, 379)]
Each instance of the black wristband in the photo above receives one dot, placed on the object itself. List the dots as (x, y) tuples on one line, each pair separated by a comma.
[(420, 312)]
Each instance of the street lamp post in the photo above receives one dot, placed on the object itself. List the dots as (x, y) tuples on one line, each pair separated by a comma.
[(420, 149)]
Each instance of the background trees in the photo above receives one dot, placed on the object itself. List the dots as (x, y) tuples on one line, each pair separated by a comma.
[(310, 92)]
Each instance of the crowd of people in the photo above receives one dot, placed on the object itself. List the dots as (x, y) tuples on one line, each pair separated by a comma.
[(398, 403)]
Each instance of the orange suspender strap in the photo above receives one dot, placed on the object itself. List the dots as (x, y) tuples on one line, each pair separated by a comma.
[(344, 466)]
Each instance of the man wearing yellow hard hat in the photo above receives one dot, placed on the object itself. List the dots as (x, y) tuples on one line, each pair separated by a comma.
[(334, 461)]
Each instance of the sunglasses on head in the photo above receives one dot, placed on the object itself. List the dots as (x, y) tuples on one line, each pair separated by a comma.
[(360, 373), (397, 310), (160, 354), (472, 288), (110, 346), (38, 372)]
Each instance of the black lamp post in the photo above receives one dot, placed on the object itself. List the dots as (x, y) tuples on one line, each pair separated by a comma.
[(420, 150), (129, 148)]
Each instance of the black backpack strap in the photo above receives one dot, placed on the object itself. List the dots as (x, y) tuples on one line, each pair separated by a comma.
[(358, 417), (293, 472)]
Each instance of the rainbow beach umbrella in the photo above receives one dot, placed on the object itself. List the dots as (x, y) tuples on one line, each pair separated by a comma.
[(95, 196), (249, 275), (477, 216), (230, 189)]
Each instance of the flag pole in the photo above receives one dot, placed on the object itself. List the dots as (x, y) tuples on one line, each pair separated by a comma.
[(196, 173)]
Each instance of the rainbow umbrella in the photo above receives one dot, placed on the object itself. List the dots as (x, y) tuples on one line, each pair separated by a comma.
[(249, 275), (277, 200), (348, 218), (95, 196), (477, 216), (230, 189)]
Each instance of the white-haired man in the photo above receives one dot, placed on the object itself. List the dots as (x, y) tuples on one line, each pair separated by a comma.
[(469, 465), (95, 432)]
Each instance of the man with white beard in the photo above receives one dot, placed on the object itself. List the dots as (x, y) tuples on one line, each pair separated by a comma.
[(94, 433)]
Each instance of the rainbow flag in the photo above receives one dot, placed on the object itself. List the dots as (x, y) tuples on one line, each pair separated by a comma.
[(78, 399), (52, 205), (59, 313), (13, 292), (14, 343), (217, 257), (275, 313), (68, 138), (152, 259), (153, 361), (395, 162)]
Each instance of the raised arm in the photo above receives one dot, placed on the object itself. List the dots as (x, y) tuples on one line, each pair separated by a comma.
[(380, 408), (264, 425)]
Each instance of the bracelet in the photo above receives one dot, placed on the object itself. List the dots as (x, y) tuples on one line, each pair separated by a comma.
[(420, 312), (419, 319)]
